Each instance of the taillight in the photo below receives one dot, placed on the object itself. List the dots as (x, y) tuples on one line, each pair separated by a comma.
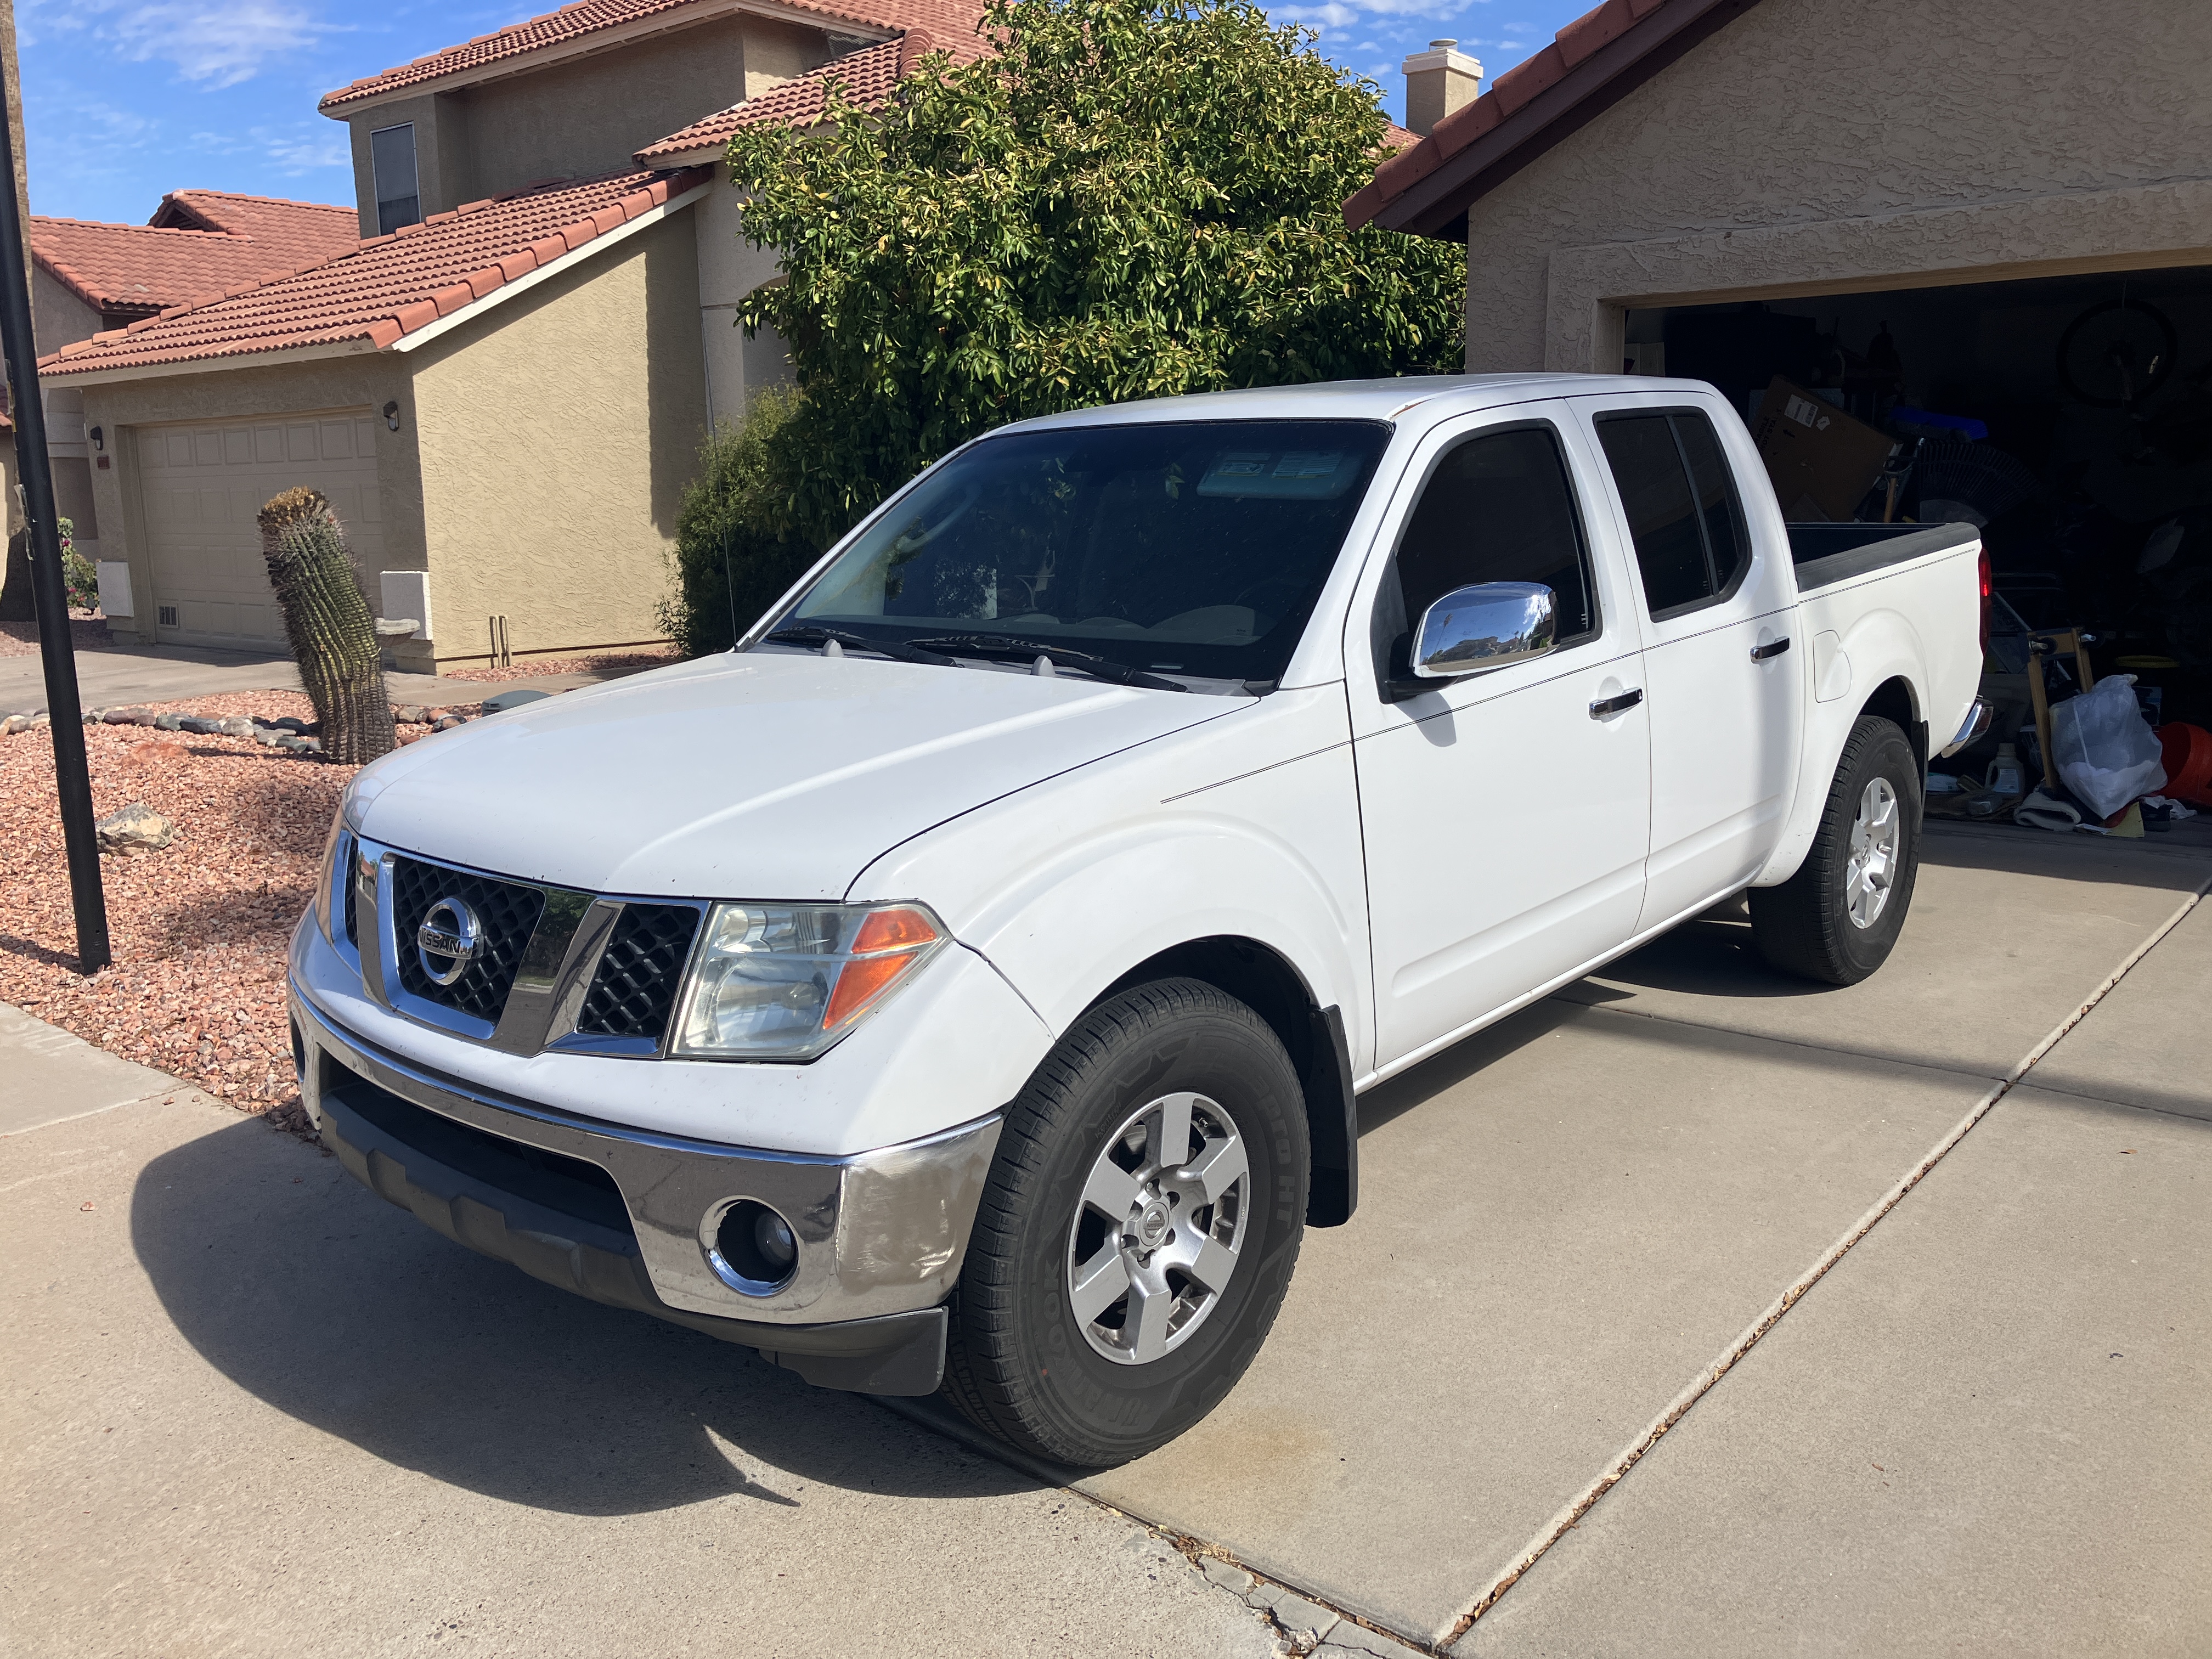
[(1988, 587)]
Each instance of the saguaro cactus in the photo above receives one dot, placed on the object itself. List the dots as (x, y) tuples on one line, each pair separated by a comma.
[(333, 635)]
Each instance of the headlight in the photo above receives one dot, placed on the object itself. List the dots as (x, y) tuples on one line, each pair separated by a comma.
[(324, 889), (785, 982), (330, 894)]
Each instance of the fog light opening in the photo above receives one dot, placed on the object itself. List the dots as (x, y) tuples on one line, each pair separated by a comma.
[(754, 1250), (299, 1057)]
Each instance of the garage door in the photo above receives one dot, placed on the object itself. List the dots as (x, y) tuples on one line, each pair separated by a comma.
[(201, 486)]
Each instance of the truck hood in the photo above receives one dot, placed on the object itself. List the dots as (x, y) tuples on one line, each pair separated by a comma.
[(763, 776)]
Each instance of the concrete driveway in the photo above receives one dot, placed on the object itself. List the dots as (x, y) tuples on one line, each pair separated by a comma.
[(1692, 1311)]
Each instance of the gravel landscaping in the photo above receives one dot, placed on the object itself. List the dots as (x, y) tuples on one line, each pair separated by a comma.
[(199, 925)]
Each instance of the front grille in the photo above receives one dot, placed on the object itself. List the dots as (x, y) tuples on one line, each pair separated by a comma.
[(634, 990), (506, 912)]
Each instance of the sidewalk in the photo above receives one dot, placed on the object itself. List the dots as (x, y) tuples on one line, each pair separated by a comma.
[(171, 673)]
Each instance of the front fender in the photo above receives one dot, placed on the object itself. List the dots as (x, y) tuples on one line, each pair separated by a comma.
[(1250, 831)]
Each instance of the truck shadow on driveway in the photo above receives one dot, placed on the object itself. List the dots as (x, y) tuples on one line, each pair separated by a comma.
[(315, 1296)]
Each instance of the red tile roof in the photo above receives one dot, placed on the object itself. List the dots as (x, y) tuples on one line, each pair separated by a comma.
[(136, 267), (293, 231), (1643, 36), (385, 289), (200, 239), (867, 77), (948, 20)]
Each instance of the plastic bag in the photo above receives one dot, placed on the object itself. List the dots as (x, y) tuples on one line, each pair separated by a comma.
[(2107, 754)]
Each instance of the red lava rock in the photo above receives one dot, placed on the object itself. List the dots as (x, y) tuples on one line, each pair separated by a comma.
[(197, 987)]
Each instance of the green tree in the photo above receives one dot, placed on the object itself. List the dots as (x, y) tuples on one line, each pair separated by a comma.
[(1130, 198), (735, 550)]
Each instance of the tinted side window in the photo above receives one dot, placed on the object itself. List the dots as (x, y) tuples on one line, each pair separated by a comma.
[(1673, 480), (1497, 508)]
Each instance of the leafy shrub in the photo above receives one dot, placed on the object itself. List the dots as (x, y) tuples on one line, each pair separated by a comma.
[(1133, 198), (78, 576), (735, 551)]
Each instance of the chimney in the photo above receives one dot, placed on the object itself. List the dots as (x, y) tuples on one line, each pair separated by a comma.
[(1438, 82)]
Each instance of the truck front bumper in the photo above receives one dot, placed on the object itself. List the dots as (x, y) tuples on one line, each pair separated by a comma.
[(633, 1218)]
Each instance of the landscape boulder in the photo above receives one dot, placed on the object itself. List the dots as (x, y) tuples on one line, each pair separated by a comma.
[(137, 829)]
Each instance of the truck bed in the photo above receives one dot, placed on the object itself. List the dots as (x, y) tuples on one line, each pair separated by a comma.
[(1826, 554)]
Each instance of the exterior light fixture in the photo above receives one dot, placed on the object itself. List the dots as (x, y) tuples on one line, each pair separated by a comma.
[(391, 415), (99, 439)]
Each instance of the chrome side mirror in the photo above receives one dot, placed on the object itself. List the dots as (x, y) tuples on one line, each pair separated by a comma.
[(1490, 625)]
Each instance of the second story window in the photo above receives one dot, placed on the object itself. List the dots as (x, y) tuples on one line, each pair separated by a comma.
[(392, 160)]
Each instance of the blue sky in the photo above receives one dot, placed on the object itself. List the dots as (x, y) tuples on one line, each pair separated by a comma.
[(127, 98)]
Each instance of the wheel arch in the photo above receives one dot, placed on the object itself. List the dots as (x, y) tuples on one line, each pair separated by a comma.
[(1268, 983), (1897, 700)]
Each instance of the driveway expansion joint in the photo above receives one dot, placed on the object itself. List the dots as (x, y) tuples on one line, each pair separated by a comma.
[(1571, 1516)]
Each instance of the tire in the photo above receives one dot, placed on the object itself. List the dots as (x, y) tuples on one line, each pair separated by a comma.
[(1132, 1373), (1837, 918)]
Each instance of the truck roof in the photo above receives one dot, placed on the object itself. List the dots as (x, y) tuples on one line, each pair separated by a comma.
[(1436, 396)]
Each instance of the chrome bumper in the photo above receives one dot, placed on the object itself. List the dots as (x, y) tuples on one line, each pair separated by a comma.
[(878, 1233), (1973, 729)]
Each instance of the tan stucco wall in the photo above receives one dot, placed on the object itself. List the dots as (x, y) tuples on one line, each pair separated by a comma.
[(346, 383), (441, 135), (58, 317), (566, 423), (729, 269), (1811, 147)]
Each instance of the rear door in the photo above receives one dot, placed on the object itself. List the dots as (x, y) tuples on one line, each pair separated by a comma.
[(1723, 679), (1505, 815)]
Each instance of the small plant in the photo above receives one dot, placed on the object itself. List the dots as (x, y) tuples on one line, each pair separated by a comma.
[(327, 619), (736, 549), (81, 581)]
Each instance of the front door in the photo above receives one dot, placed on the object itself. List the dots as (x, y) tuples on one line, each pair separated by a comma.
[(1505, 814), (1722, 678)]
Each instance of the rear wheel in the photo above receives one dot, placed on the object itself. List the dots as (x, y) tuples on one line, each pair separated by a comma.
[(1837, 918), (1142, 1220)]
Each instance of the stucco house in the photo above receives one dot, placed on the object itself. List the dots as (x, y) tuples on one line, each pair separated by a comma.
[(1983, 232), (502, 386), (88, 275)]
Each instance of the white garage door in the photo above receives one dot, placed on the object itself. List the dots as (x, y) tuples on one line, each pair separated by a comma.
[(201, 486)]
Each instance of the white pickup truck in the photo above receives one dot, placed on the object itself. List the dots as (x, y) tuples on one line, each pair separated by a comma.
[(969, 981)]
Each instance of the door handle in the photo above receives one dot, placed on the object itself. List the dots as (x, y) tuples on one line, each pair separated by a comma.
[(1762, 652), (1605, 706)]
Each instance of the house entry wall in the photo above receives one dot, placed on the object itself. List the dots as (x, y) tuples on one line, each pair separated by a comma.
[(200, 486)]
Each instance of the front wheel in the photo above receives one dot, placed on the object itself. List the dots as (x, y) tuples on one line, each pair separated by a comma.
[(1142, 1222), (1837, 918)]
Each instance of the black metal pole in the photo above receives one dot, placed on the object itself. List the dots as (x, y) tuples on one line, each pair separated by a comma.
[(49, 587)]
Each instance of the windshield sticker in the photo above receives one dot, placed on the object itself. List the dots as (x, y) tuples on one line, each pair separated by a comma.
[(1299, 475)]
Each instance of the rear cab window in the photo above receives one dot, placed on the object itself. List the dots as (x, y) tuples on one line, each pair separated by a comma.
[(1692, 548)]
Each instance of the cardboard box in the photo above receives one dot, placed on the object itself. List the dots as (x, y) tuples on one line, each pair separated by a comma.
[(1822, 462)]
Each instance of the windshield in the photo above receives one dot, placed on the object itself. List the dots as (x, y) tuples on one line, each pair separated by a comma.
[(1196, 548)]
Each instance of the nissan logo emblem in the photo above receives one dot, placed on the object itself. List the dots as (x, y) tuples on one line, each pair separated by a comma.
[(448, 941)]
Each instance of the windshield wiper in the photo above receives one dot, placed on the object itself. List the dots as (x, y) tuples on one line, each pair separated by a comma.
[(998, 645), (810, 635)]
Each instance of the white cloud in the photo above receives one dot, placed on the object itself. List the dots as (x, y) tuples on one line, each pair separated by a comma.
[(208, 40), (304, 147), (1333, 14)]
